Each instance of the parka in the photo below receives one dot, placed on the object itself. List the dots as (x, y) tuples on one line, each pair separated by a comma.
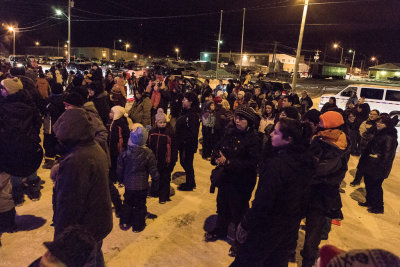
[(141, 111), (187, 130)]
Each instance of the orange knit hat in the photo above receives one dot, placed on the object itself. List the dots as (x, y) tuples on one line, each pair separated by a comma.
[(331, 119)]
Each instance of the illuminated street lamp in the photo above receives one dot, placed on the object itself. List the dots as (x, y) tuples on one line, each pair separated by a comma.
[(12, 29), (341, 55), (114, 53), (177, 53), (352, 62), (59, 12), (126, 49), (375, 59)]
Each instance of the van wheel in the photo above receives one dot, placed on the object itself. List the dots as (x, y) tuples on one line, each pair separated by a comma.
[(394, 113)]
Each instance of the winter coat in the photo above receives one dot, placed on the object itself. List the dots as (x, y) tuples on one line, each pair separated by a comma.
[(54, 109), (330, 149), (97, 74), (119, 136), (141, 111), (44, 87), (378, 157), (163, 144), (30, 88), (82, 194), (101, 102), (260, 99), (279, 201), (109, 86), (6, 198), (241, 150), (187, 130), (134, 166), (352, 134), (18, 113), (176, 104), (205, 92)]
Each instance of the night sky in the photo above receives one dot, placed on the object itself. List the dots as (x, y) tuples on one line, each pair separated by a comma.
[(372, 28)]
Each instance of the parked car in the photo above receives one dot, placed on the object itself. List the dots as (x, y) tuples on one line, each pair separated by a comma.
[(190, 71), (18, 60), (383, 98)]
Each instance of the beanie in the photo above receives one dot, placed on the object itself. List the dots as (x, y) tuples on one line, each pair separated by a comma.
[(218, 99), (74, 99), (313, 116), (138, 136), (246, 112), (12, 85), (331, 119), (160, 115), (119, 112), (57, 89)]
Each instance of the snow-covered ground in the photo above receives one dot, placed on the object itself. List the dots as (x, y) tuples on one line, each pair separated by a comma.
[(175, 237)]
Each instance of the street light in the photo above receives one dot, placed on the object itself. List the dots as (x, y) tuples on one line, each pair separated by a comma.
[(352, 62), (37, 43), (375, 59), (177, 53), (12, 29), (59, 12), (126, 49), (114, 53), (341, 55)]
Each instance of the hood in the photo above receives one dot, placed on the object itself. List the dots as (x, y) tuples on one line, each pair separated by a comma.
[(335, 137), (138, 136), (73, 127), (89, 106), (119, 112)]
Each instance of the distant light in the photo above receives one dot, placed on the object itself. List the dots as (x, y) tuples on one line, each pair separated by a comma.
[(135, 56), (127, 45), (245, 57), (19, 65), (110, 66), (205, 55), (58, 12), (65, 45), (350, 51), (373, 58), (397, 73), (37, 43), (104, 54), (120, 40), (221, 42), (383, 72), (11, 28), (177, 50), (335, 45)]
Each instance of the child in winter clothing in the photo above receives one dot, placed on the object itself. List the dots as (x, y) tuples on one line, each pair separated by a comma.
[(208, 119), (134, 166), (162, 142)]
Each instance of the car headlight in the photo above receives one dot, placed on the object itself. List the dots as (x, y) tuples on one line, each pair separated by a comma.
[(19, 65), (110, 66)]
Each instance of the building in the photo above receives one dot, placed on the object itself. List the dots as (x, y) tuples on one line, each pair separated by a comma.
[(79, 52), (386, 71), (256, 59)]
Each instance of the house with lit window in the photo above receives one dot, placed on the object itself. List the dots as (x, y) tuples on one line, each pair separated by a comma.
[(387, 71)]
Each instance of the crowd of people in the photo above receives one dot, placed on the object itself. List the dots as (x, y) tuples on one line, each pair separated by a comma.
[(299, 155)]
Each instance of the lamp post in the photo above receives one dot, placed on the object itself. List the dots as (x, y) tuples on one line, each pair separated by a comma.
[(126, 49), (296, 65), (37, 43), (177, 53), (11, 29), (341, 55), (352, 62), (59, 13), (375, 59), (114, 53), (219, 44)]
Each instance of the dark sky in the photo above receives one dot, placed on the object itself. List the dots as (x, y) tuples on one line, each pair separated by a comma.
[(372, 28)]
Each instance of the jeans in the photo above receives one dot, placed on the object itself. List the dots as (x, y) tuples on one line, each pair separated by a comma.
[(373, 186)]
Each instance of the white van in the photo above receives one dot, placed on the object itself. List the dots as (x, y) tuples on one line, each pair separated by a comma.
[(386, 99)]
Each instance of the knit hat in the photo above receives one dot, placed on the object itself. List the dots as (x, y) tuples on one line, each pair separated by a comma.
[(218, 99), (74, 99), (12, 85), (246, 112), (138, 136), (57, 89), (313, 116), (160, 115), (119, 112), (331, 119)]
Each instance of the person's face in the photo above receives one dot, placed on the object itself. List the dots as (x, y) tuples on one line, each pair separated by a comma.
[(212, 107), (282, 115), (351, 105), (110, 77), (241, 123), (351, 118), (331, 101), (312, 126), (359, 109), (111, 115), (161, 123), (303, 94), (91, 92), (186, 104), (276, 137), (380, 125), (221, 83), (240, 96), (95, 67), (48, 260), (277, 93), (373, 115), (257, 91), (285, 103), (268, 109), (138, 95)]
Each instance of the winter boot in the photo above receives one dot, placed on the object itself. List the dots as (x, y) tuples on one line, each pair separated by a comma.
[(138, 220), (48, 164), (18, 195), (125, 220), (32, 190)]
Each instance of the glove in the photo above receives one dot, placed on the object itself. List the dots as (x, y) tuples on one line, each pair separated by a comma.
[(241, 234)]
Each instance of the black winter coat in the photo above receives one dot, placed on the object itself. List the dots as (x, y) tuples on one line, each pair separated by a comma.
[(119, 136), (163, 144), (176, 104), (55, 107), (205, 92), (187, 130), (82, 194), (102, 104), (19, 113), (377, 159), (279, 201)]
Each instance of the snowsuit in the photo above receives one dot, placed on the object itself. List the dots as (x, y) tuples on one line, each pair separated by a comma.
[(273, 221), (330, 151), (241, 149), (187, 131), (376, 163), (82, 193), (134, 166), (163, 144)]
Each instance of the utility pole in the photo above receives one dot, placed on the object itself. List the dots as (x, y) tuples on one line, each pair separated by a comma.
[(241, 47), (274, 56), (70, 5), (58, 48), (219, 43), (326, 48), (296, 66)]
